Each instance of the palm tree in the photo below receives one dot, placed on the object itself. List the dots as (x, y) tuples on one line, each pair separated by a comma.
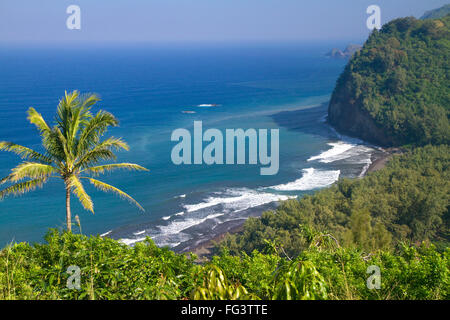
[(73, 151)]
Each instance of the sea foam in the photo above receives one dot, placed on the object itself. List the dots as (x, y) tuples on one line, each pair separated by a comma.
[(237, 199), (311, 179), (335, 153)]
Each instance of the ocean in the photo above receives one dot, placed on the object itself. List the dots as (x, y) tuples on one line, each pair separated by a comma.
[(147, 87)]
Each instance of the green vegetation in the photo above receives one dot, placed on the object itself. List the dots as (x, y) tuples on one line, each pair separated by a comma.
[(406, 201), (318, 247), (437, 13), (400, 81), (111, 270), (73, 150)]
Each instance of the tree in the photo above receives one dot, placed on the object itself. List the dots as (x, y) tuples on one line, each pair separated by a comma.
[(73, 152)]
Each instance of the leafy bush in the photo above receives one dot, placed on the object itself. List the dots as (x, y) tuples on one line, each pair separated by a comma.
[(109, 270), (216, 287), (342, 273), (112, 270)]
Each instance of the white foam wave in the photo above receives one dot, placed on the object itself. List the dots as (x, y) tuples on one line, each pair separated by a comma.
[(333, 154), (366, 167), (354, 153), (106, 233), (130, 242), (311, 179), (178, 226), (207, 105), (237, 200), (210, 202), (174, 215), (231, 201)]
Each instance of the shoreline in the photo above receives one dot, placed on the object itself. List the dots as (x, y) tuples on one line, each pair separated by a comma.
[(380, 160), (204, 249)]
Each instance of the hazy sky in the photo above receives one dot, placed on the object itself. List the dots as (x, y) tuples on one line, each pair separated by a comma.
[(198, 20)]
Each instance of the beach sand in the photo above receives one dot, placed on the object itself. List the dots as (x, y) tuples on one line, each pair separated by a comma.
[(205, 250), (380, 159)]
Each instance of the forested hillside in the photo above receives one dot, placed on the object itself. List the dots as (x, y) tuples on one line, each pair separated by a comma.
[(437, 13), (396, 90), (407, 201)]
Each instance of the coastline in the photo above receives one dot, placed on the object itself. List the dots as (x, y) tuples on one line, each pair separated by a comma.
[(204, 250), (202, 231), (380, 160)]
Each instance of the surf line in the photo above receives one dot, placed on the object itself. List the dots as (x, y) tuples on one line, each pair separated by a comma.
[(235, 146)]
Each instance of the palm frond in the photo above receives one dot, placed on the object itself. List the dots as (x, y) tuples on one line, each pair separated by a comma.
[(64, 111), (60, 142), (23, 152), (54, 146), (87, 100), (50, 139), (36, 118), (94, 157), (77, 188), (94, 129), (102, 151), (108, 188), (113, 143), (115, 166), (31, 170), (22, 187), (73, 114), (79, 118), (67, 118)]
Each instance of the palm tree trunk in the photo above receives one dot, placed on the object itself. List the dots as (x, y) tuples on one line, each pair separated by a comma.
[(68, 214)]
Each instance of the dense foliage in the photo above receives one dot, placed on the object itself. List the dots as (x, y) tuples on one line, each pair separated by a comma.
[(400, 80), (112, 270), (406, 201), (324, 272)]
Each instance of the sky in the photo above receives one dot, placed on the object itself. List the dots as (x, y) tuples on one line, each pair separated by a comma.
[(44, 21)]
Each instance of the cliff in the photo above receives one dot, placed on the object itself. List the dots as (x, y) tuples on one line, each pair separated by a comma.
[(394, 91)]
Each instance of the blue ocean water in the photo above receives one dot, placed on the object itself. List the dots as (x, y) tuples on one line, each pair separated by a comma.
[(147, 87)]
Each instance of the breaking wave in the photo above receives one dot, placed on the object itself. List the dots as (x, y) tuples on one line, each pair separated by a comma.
[(311, 179)]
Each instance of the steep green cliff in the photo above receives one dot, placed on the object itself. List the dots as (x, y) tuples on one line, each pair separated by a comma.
[(396, 90)]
